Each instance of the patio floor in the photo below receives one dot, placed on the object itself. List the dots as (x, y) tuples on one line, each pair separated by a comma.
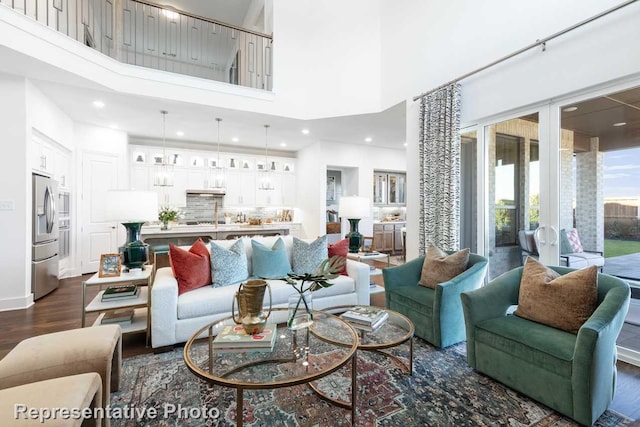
[(624, 266)]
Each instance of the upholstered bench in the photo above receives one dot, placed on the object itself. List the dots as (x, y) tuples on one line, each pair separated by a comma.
[(77, 351), (72, 392)]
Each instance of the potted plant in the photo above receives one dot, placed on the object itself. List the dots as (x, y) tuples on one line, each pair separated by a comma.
[(167, 214), (300, 304)]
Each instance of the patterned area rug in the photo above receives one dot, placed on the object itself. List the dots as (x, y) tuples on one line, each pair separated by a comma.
[(443, 391)]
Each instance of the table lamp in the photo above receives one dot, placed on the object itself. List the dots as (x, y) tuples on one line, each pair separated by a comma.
[(354, 208), (132, 209)]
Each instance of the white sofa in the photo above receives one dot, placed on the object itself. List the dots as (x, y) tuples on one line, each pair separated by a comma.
[(174, 319)]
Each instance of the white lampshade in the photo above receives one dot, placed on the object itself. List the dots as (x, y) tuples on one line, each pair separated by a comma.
[(353, 207), (132, 206)]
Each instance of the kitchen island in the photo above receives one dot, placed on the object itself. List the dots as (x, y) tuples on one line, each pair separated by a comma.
[(182, 234)]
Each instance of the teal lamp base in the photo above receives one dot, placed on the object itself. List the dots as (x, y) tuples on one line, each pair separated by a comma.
[(355, 238), (135, 253)]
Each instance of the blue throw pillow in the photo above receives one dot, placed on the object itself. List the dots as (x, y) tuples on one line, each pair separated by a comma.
[(228, 266), (270, 263), (307, 257), (565, 245)]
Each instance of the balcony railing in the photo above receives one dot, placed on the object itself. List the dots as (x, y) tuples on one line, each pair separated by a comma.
[(148, 35)]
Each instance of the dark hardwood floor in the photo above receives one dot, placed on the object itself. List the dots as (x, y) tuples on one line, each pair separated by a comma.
[(62, 310)]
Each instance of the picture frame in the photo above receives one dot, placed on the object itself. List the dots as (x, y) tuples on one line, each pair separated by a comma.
[(367, 244), (110, 265)]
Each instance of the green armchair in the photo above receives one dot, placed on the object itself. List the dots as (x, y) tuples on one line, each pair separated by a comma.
[(572, 373), (436, 313)]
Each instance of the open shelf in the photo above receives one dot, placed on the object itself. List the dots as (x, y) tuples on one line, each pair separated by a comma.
[(138, 324)]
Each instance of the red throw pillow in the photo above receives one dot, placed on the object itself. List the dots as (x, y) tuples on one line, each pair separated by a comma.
[(340, 248), (191, 268)]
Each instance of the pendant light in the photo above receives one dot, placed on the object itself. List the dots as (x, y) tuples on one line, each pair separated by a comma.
[(265, 181), (163, 173), (216, 173)]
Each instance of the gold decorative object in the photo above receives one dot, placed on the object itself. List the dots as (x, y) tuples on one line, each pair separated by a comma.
[(250, 297)]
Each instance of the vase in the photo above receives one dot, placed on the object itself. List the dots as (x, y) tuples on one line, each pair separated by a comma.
[(165, 225), (300, 310)]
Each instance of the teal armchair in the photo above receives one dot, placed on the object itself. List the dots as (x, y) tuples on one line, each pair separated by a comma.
[(574, 374), (436, 313)]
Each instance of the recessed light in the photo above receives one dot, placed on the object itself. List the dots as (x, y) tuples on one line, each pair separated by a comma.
[(619, 124), (235, 139), (113, 126), (305, 131), (283, 144), (180, 133), (98, 104), (368, 139), (570, 109), (405, 144)]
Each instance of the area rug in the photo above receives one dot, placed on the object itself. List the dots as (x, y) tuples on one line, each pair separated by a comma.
[(443, 391)]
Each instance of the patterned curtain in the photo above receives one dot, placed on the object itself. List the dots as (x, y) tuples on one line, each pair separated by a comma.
[(439, 147)]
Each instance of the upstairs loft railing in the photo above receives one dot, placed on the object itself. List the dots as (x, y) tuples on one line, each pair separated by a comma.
[(144, 34)]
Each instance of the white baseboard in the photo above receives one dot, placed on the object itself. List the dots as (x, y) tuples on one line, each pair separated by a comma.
[(21, 303), (630, 356)]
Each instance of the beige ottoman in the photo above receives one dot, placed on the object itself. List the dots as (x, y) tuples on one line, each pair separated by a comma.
[(73, 392), (78, 351)]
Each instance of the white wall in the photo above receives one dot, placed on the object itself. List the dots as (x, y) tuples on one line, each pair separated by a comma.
[(15, 224), (359, 160)]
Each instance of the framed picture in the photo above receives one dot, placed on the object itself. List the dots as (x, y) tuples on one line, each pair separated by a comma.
[(110, 265), (367, 244), (331, 188)]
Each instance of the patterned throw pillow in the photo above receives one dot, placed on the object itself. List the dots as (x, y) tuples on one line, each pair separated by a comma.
[(228, 266), (340, 248), (192, 268), (563, 302), (574, 240), (439, 267), (270, 263), (307, 257)]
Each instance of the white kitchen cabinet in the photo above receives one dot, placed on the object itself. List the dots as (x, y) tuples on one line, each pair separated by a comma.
[(140, 178), (62, 168), (289, 188), (241, 189), (268, 198), (43, 156), (197, 178)]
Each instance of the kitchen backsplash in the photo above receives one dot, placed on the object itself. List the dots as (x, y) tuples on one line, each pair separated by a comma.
[(202, 209)]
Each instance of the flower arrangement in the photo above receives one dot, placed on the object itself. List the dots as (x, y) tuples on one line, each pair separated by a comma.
[(309, 282), (168, 213)]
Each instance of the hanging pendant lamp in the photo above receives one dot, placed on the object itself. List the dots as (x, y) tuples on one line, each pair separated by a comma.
[(163, 171), (265, 180), (216, 173)]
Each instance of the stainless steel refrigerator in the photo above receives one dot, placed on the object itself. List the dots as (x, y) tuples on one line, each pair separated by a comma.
[(44, 249)]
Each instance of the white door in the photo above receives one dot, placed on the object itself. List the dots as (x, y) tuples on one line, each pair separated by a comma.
[(98, 235)]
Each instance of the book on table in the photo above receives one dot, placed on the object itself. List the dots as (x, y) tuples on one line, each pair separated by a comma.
[(120, 292), (373, 327), (235, 338), (122, 317), (365, 315)]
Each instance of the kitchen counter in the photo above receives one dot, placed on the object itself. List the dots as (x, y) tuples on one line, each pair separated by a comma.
[(182, 234)]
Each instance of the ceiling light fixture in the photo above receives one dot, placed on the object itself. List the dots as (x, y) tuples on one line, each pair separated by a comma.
[(305, 131), (617, 125), (235, 139), (163, 174), (216, 173), (98, 104), (180, 133), (405, 144), (264, 176), (368, 139), (113, 126), (570, 109)]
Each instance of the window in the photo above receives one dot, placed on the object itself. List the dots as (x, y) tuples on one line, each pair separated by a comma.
[(507, 178)]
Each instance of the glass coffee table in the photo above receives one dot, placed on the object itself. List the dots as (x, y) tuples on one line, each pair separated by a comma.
[(397, 330), (298, 357)]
